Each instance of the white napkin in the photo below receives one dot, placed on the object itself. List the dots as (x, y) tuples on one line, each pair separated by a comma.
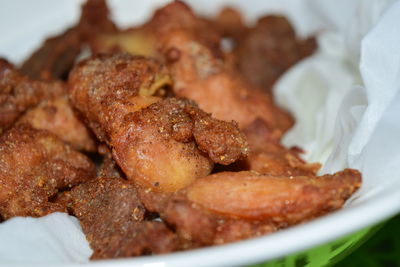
[(347, 107), (314, 89), (56, 238)]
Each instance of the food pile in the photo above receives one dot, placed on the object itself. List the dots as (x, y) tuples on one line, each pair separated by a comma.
[(165, 139)]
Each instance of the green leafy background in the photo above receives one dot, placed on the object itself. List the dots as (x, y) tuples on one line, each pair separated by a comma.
[(371, 247)]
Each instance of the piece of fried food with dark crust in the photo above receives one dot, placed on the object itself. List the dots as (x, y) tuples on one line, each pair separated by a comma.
[(200, 73), (269, 49), (18, 93), (105, 88), (34, 165), (57, 116), (153, 140), (112, 218), (267, 156), (199, 68), (210, 209), (55, 58), (43, 105)]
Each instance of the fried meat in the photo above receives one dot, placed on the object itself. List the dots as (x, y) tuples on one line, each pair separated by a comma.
[(162, 144), (18, 93), (230, 206), (113, 220), (35, 165)]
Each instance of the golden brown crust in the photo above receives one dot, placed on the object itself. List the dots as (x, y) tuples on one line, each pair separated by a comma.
[(18, 93), (54, 58), (57, 116), (265, 51), (231, 206), (111, 216), (101, 88), (267, 156), (57, 55), (34, 166), (201, 71), (151, 138)]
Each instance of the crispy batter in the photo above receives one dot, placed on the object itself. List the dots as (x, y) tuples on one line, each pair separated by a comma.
[(18, 93), (106, 88), (111, 216), (57, 116), (199, 68), (55, 58), (267, 50), (43, 105), (34, 165), (200, 72), (152, 139), (269, 157), (230, 206)]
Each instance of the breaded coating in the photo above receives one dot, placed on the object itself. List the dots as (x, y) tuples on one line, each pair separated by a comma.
[(107, 87), (199, 68), (152, 139), (230, 206), (34, 165), (270, 48), (267, 156), (18, 93), (112, 218), (55, 58), (222, 141), (199, 72), (57, 116)]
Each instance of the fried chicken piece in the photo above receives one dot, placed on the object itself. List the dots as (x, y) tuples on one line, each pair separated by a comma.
[(199, 68), (57, 116), (200, 72), (157, 143), (270, 48), (18, 93), (230, 206), (43, 105), (112, 218), (34, 165), (55, 58), (267, 156)]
